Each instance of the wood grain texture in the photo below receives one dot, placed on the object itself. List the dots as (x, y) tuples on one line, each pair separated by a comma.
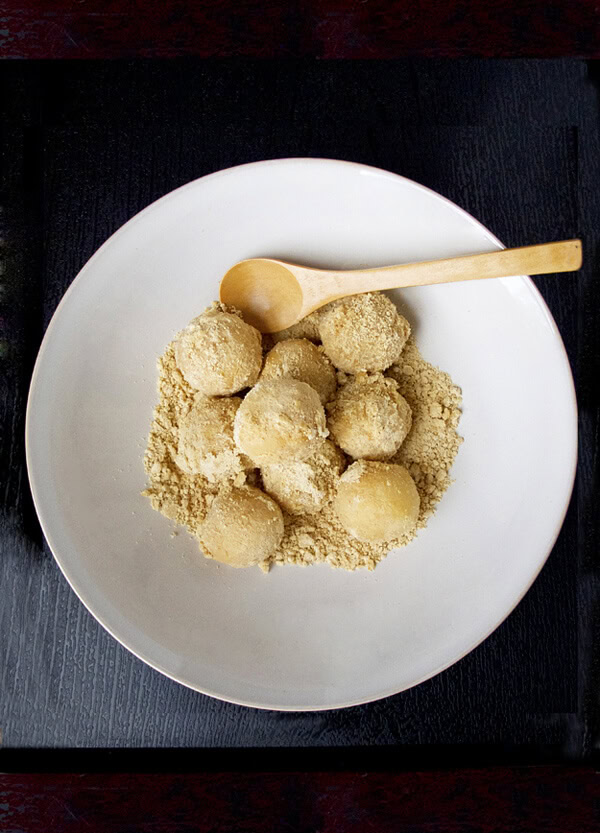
[(507, 800), (84, 147), (273, 294), (313, 28)]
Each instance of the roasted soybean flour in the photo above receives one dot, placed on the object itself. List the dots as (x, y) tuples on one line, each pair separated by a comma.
[(335, 446)]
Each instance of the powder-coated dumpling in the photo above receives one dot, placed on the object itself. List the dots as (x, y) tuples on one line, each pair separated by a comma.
[(363, 332), (377, 502), (219, 354), (368, 418), (298, 358), (307, 327), (243, 527), (303, 488), (205, 439), (280, 420)]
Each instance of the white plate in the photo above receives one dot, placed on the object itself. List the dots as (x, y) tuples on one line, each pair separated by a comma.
[(298, 638)]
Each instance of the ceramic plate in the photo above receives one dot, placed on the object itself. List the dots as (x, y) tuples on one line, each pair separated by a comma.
[(298, 638)]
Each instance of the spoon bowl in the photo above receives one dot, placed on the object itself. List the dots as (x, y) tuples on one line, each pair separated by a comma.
[(266, 291)]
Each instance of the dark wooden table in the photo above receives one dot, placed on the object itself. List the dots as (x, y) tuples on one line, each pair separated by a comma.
[(84, 146), (299, 28)]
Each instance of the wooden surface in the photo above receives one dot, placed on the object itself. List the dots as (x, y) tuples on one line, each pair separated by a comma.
[(273, 294), (84, 147), (299, 28), (544, 799)]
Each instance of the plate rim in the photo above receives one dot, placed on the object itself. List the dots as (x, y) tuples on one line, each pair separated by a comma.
[(73, 287)]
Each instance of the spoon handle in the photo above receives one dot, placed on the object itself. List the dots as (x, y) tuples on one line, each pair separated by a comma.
[(564, 256)]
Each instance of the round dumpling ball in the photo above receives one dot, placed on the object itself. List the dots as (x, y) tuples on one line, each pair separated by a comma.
[(303, 488), (242, 527), (219, 354), (307, 327), (298, 358), (363, 332), (369, 418), (280, 420), (205, 439), (377, 501)]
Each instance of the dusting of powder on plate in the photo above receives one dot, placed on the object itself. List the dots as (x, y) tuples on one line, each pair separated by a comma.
[(427, 452)]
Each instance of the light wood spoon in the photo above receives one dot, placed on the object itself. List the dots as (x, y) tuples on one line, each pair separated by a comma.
[(273, 295)]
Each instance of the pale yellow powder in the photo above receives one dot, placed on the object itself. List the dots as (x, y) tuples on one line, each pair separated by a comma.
[(305, 487), (206, 444), (308, 328), (428, 452), (182, 497), (433, 442)]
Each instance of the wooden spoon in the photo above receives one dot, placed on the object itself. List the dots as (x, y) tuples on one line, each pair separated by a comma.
[(273, 295)]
